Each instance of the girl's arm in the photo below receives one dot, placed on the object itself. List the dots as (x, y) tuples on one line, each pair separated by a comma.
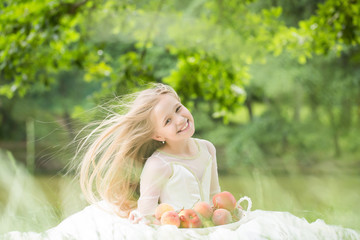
[(215, 186), (154, 175)]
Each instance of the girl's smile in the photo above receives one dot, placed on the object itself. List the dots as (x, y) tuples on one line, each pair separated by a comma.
[(186, 126)]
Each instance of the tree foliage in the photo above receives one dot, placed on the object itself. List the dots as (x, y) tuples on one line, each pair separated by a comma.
[(334, 26), (37, 40), (289, 67), (40, 38)]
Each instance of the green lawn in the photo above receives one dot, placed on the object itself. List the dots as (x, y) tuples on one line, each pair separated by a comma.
[(333, 198)]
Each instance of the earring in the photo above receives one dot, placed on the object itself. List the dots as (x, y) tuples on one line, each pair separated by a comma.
[(163, 142)]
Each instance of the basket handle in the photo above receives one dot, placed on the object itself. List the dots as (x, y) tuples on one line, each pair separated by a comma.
[(245, 198)]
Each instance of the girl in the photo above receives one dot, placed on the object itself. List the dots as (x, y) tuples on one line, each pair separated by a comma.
[(146, 156), (155, 135)]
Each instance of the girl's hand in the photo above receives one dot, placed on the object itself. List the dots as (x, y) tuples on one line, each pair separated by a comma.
[(151, 219), (135, 217)]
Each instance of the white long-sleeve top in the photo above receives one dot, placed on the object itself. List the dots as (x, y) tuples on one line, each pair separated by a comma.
[(179, 181)]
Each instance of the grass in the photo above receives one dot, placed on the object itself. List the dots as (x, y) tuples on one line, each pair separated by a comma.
[(36, 203), (332, 198)]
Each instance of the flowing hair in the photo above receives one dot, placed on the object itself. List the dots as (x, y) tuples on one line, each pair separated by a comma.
[(116, 150)]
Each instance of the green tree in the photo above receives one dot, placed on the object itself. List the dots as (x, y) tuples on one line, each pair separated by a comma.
[(218, 55), (38, 39)]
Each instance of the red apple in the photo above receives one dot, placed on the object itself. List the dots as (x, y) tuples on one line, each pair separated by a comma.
[(204, 209), (161, 209), (189, 219), (171, 218), (224, 200), (221, 216)]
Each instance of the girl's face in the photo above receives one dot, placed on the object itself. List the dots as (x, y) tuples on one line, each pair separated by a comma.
[(173, 122)]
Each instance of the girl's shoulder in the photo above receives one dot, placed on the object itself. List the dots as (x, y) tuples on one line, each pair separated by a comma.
[(155, 164), (156, 157), (210, 146), (156, 160)]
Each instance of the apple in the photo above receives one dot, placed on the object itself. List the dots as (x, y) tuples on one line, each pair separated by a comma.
[(204, 209), (224, 200), (221, 216), (189, 219), (171, 218), (161, 209)]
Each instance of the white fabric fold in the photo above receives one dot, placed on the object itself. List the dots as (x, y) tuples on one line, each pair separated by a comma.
[(95, 223)]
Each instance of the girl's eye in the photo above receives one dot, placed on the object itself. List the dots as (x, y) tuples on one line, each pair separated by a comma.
[(178, 108), (167, 121)]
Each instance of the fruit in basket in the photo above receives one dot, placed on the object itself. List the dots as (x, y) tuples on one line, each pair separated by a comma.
[(171, 218), (189, 219), (161, 209), (204, 209), (224, 200), (221, 216)]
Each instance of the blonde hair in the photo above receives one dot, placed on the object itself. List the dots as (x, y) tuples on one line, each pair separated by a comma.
[(118, 148)]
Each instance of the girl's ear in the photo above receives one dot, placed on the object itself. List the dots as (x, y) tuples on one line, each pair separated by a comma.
[(158, 138)]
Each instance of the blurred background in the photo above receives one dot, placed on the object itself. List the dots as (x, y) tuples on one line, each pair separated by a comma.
[(275, 85)]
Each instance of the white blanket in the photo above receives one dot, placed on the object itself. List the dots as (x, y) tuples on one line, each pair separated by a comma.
[(95, 222)]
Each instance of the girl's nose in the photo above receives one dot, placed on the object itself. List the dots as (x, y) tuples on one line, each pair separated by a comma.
[(180, 120)]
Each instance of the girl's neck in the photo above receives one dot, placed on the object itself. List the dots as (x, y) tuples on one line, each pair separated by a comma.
[(187, 148)]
